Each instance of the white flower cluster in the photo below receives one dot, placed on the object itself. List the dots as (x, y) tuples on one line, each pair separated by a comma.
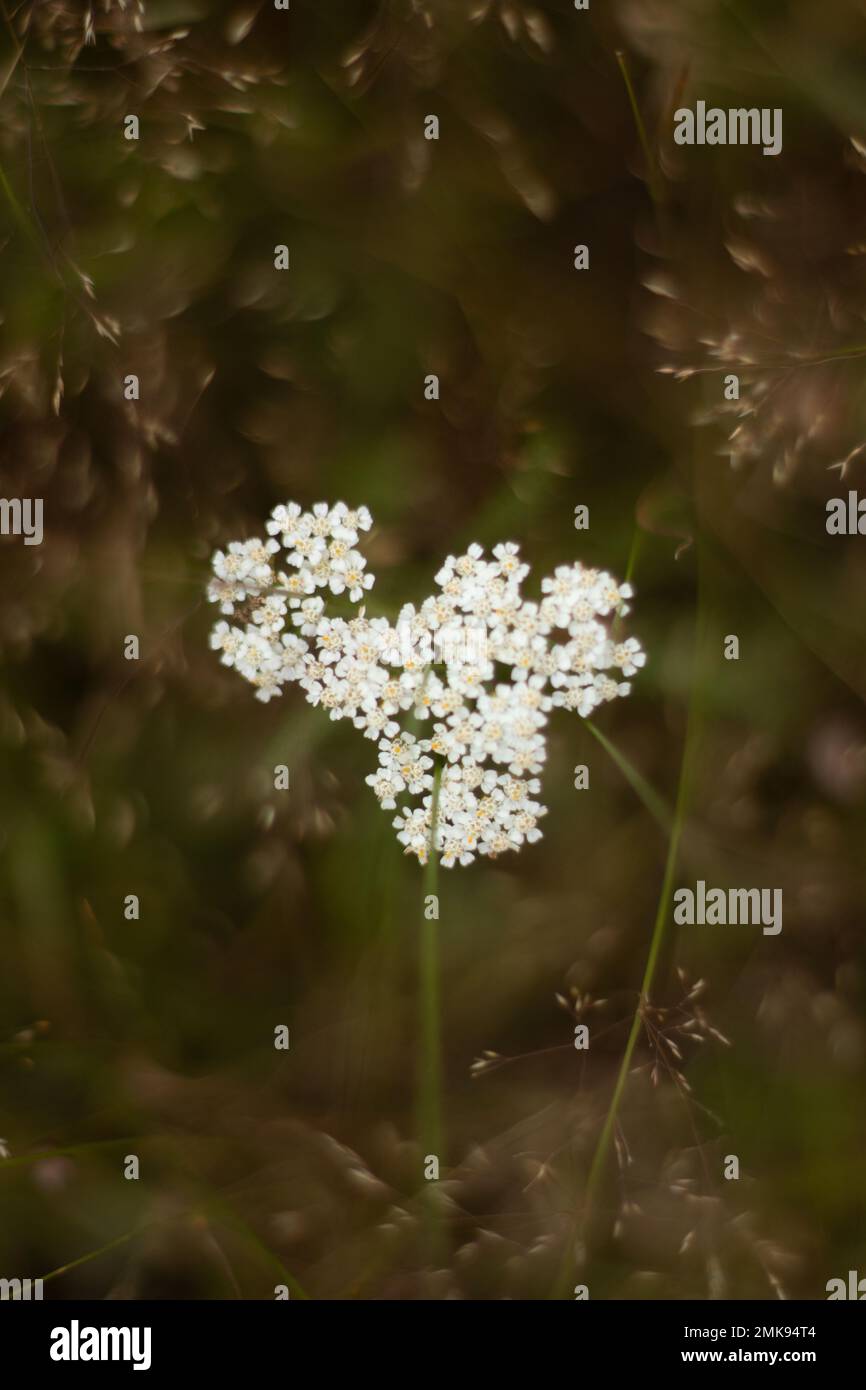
[(475, 667)]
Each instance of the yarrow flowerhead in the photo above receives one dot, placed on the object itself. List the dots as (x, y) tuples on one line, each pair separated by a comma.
[(476, 669)]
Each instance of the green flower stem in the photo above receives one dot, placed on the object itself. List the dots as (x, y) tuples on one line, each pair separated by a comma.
[(430, 1051)]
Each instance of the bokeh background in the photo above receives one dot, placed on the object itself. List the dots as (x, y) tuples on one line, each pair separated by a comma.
[(604, 387)]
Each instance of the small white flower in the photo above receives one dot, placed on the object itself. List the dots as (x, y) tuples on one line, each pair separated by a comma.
[(476, 663), (350, 573), (283, 519)]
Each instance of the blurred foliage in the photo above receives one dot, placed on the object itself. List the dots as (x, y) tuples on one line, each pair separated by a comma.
[(155, 778)]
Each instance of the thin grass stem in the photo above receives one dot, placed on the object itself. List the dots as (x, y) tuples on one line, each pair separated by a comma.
[(605, 1139), (656, 187), (654, 803)]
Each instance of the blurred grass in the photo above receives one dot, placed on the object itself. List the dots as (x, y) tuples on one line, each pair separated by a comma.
[(261, 908)]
